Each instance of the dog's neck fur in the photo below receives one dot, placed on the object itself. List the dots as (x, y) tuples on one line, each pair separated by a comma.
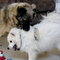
[(25, 40)]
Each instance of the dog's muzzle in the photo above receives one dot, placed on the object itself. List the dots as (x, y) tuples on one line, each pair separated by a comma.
[(14, 47)]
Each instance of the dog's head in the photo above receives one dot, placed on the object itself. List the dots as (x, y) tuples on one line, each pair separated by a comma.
[(25, 15), (13, 39)]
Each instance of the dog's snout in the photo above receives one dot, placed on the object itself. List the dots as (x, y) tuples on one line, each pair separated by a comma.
[(8, 48)]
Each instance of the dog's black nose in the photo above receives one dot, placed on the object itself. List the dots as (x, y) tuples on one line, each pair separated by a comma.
[(8, 48)]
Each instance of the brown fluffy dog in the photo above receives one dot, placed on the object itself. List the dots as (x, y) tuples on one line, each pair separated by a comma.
[(8, 15)]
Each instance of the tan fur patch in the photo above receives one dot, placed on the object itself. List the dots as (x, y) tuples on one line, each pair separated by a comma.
[(8, 16)]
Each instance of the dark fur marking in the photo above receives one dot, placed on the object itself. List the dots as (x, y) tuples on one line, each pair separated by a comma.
[(22, 11), (12, 34), (23, 18)]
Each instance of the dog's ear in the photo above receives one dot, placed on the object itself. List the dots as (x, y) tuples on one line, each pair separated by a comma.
[(34, 9), (33, 6)]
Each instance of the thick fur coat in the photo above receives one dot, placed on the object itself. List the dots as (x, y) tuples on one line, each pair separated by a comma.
[(41, 37), (8, 15)]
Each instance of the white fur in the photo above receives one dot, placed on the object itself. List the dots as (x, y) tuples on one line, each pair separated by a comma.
[(47, 32), (15, 39)]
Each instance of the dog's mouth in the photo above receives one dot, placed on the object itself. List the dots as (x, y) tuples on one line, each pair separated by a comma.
[(15, 47)]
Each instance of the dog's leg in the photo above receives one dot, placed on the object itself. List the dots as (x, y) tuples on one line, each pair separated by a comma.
[(32, 56)]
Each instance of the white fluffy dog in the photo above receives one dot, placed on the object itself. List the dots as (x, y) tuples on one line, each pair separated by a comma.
[(42, 37)]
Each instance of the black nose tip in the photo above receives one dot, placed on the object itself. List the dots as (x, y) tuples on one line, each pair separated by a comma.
[(8, 48)]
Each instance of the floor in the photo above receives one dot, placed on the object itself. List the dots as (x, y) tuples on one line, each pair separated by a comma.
[(17, 55)]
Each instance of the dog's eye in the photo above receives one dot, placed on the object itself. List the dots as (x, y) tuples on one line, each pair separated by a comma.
[(10, 41)]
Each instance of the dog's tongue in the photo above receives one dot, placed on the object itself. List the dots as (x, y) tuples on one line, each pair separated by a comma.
[(15, 47)]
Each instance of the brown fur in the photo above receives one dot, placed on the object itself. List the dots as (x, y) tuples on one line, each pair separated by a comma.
[(8, 16), (42, 5)]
